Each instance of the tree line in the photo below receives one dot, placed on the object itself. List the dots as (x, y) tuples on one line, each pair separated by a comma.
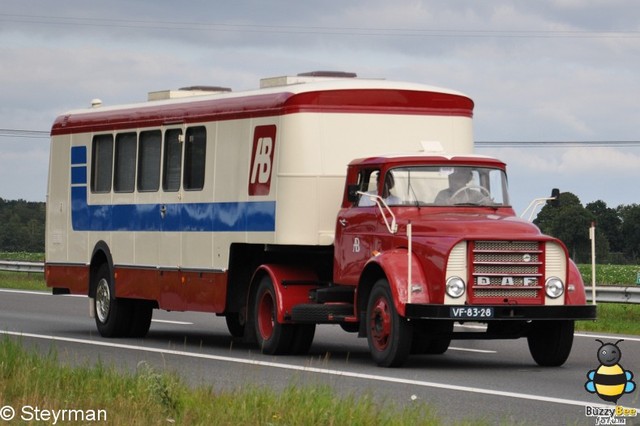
[(22, 225), (617, 230)]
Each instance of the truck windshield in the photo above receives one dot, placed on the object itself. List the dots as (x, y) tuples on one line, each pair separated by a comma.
[(446, 186)]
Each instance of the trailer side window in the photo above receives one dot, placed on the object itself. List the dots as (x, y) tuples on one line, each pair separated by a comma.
[(172, 160), (194, 158), (149, 160), (124, 172), (101, 163)]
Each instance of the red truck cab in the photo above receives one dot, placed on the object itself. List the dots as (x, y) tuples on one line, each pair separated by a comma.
[(447, 223)]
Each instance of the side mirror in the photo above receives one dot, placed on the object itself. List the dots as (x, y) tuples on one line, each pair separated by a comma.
[(555, 194), (352, 193)]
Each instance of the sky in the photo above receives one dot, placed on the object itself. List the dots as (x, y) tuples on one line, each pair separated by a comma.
[(564, 74)]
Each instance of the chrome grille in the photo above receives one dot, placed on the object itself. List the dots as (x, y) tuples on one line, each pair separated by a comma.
[(503, 257), (507, 270), (507, 245), (509, 293)]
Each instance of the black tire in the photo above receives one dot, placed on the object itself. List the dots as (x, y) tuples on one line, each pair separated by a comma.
[(141, 314), (424, 341), (272, 337), (389, 335), (550, 342), (112, 315), (234, 325), (302, 338)]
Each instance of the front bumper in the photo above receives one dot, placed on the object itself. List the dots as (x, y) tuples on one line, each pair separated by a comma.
[(500, 312)]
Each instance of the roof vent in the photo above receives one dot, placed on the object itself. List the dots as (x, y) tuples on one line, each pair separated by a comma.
[(328, 74), (185, 92), (305, 77), (96, 103)]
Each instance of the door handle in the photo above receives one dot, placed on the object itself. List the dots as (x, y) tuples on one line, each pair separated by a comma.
[(163, 211)]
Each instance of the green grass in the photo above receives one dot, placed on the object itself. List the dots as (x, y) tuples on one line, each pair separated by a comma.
[(22, 256), (614, 318), (23, 281), (611, 274), (150, 397)]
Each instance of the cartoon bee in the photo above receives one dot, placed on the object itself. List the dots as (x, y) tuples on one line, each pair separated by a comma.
[(610, 381)]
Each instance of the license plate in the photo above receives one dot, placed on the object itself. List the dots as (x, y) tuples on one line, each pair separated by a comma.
[(477, 312)]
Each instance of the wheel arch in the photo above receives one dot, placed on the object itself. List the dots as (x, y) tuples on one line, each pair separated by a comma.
[(393, 266), (290, 283), (101, 255)]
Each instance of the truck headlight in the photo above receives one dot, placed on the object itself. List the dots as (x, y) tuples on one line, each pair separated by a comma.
[(554, 287), (455, 287)]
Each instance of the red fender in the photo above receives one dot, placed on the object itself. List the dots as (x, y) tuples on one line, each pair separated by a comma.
[(574, 278), (395, 266), (291, 284)]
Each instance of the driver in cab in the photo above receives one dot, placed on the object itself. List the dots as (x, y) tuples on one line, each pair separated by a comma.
[(458, 192)]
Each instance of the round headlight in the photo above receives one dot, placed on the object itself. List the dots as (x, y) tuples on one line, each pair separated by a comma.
[(455, 287), (554, 287)]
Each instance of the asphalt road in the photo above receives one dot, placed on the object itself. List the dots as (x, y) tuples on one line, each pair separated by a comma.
[(494, 381)]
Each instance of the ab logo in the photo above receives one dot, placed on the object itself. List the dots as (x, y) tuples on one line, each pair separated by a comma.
[(264, 145)]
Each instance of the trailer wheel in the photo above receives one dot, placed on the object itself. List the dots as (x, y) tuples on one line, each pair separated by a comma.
[(389, 335), (113, 316), (550, 342), (273, 337), (141, 314)]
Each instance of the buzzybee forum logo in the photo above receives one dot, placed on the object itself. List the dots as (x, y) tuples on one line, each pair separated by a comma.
[(610, 381)]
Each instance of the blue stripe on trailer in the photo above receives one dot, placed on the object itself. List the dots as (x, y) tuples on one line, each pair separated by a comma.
[(248, 216)]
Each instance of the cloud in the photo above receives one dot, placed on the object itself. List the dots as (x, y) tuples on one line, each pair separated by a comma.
[(545, 70)]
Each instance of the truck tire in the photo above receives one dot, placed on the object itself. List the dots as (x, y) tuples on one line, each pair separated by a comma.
[(235, 327), (302, 338), (272, 337), (424, 341), (389, 335), (550, 342), (141, 314), (113, 316)]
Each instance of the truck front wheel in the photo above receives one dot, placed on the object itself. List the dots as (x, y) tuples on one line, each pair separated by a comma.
[(550, 342), (389, 335), (272, 336)]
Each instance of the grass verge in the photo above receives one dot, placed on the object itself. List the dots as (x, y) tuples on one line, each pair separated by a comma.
[(23, 281), (148, 397), (615, 318)]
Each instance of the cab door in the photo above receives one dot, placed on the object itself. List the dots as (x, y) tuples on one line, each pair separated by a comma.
[(356, 226)]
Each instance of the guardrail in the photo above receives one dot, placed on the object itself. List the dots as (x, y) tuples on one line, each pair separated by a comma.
[(604, 294), (16, 266), (615, 294)]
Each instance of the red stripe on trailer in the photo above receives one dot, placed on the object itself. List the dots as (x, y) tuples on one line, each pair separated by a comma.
[(376, 101)]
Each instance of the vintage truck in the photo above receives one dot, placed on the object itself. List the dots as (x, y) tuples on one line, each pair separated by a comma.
[(320, 198)]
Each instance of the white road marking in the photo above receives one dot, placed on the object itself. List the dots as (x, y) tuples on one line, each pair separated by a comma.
[(37, 293), (362, 376), (482, 351), (612, 337), (172, 322)]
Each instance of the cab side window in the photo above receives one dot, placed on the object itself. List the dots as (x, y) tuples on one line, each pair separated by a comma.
[(367, 183)]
